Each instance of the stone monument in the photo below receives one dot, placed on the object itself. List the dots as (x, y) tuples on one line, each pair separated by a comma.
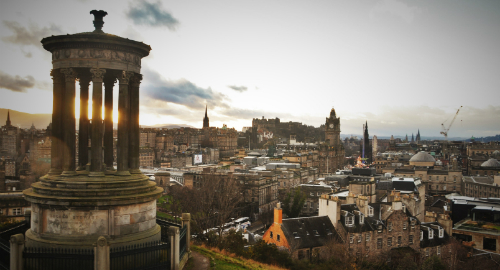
[(74, 204)]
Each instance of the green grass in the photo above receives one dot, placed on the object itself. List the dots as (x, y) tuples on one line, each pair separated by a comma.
[(220, 261)]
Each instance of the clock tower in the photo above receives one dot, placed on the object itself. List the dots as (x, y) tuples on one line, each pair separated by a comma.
[(332, 129)]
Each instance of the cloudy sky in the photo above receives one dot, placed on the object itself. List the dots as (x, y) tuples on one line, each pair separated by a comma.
[(400, 65)]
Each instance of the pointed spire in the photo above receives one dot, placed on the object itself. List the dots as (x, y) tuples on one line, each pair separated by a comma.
[(206, 110), (8, 118)]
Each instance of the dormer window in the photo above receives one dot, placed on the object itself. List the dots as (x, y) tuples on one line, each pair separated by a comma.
[(441, 232), (361, 219), (431, 233), (316, 232), (296, 235), (328, 232), (349, 221), (370, 211)]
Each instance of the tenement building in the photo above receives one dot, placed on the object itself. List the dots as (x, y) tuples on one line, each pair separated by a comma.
[(75, 204)]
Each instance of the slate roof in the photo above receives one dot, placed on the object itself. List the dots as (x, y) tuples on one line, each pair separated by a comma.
[(309, 232), (370, 223), (435, 241), (404, 185)]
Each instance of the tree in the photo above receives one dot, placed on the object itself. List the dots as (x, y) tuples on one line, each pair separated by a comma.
[(293, 210), (211, 203)]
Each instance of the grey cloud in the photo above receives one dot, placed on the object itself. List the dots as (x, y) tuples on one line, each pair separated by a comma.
[(152, 14), (406, 120), (238, 88), (16, 83), (395, 8), (182, 92), (28, 36)]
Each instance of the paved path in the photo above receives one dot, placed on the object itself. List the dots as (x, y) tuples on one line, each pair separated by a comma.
[(200, 262)]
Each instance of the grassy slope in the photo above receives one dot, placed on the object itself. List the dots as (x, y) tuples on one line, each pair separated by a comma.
[(222, 261)]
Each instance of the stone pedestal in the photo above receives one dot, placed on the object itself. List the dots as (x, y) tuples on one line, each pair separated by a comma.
[(75, 212)]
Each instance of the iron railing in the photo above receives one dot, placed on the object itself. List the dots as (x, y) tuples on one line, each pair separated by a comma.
[(58, 259), (182, 242), (149, 256)]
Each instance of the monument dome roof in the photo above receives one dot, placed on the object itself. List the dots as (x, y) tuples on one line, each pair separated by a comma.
[(491, 163), (422, 157)]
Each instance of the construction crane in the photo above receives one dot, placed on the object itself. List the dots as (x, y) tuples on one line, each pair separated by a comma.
[(445, 130)]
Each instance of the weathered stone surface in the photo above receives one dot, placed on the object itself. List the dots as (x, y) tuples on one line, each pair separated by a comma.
[(70, 222)]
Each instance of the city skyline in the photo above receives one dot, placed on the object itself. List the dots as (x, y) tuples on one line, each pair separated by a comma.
[(398, 65)]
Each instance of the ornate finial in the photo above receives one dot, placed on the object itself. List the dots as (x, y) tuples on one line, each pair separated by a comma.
[(98, 22)]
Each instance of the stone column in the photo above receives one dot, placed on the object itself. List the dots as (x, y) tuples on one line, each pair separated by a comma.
[(108, 122), (96, 146), (134, 138), (56, 150), (68, 122), (173, 232), (123, 123), (186, 221), (16, 251), (83, 130), (101, 254)]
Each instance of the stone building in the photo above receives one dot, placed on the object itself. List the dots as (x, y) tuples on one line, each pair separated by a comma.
[(437, 179), (258, 188), (481, 186), (146, 157), (13, 206), (331, 153)]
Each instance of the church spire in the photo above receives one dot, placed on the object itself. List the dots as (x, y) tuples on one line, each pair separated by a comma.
[(8, 119), (205, 119)]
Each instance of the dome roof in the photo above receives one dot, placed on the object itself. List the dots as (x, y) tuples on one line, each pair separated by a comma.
[(422, 157), (491, 163)]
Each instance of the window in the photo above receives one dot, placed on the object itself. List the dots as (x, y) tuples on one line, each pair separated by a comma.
[(427, 252), (430, 178), (16, 211), (389, 241), (278, 237), (431, 233), (359, 238), (454, 179), (361, 219), (389, 226), (349, 221), (410, 239), (441, 232), (271, 235), (351, 238), (399, 240), (404, 225), (421, 235), (439, 250), (367, 237), (404, 208), (437, 178), (379, 243), (370, 211)]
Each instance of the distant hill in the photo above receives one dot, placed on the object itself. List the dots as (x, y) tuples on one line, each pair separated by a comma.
[(495, 138), (24, 120)]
